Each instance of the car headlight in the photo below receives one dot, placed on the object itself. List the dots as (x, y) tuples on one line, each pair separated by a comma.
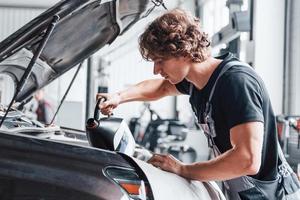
[(129, 182)]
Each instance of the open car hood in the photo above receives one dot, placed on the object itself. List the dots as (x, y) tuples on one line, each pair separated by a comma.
[(84, 27)]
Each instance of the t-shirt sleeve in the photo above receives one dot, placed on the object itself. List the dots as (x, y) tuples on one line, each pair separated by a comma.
[(241, 99), (183, 86)]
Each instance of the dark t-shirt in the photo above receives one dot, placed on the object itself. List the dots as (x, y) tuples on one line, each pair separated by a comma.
[(240, 96)]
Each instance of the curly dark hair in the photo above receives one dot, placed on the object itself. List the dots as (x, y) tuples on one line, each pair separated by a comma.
[(174, 34)]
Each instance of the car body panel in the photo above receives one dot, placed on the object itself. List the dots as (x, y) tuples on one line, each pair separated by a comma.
[(181, 188), (72, 167)]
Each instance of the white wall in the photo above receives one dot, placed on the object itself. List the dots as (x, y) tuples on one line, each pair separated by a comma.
[(294, 59), (269, 46), (11, 19), (76, 96), (28, 3)]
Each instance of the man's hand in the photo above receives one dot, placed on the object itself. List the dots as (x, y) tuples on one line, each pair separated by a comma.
[(167, 163), (112, 101)]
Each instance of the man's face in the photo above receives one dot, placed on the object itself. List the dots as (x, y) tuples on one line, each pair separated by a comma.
[(172, 69)]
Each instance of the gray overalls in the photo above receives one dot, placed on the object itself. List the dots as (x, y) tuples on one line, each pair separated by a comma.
[(246, 187)]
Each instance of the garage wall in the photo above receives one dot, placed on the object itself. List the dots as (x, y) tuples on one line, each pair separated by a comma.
[(11, 19), (293, 63), (28, 3), (269, 47)]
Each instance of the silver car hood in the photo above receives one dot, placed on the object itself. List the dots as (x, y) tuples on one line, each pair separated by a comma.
[(84, 27), (181, 188)]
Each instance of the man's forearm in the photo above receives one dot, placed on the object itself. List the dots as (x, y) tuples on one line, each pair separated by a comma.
[(148, 90), (229, 165)]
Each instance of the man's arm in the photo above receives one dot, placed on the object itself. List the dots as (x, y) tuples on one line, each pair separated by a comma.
[(147, 90), (243, 159)]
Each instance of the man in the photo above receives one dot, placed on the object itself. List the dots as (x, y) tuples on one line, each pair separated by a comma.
[(236, 113), (44, 110)]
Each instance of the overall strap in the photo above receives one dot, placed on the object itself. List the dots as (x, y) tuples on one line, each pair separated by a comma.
[(227, 66), (284, 168), (280, 153), (208, 108)]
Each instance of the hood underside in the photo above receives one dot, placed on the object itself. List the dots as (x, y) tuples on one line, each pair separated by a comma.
[(84, 27)]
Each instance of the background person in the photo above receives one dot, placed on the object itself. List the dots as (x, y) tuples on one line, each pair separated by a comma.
[(44, 109)]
